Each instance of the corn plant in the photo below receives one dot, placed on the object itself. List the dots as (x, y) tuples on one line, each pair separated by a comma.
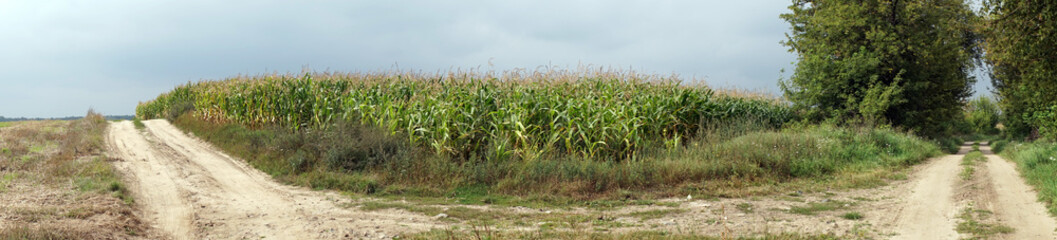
[(466, 115)]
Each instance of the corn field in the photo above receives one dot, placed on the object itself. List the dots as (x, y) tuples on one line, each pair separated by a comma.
[(594, 114)]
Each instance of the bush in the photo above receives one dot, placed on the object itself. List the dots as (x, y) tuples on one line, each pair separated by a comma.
[(998, 145)]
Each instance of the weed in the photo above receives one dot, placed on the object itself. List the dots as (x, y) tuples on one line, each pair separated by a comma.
[(745, 207), (852, 215), (654, 214), (998, 146), (971, 223), (969, 161), (815, 207), (138, 124)]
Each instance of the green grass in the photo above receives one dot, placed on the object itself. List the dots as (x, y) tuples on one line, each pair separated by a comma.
[(7, 124), (745, 207), (852, 215), (997, 146), (951, 144), (815, 207), (969, 162), (973, 223), (138, 124), (1037, 163), (655, 214)]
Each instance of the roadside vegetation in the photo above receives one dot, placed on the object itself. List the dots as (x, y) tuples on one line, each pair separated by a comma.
[(55, 183), (1037, 163), (1021, 46), (484, 139)]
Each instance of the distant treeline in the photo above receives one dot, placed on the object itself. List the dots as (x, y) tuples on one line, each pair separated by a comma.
[(109, 117)]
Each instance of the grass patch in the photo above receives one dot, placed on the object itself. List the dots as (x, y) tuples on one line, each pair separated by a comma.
[(816, 207), (654, 214), (745, 207), (138, 124), (998, 146), (972, 223), (951, 144), (852, 215), (969, 162)]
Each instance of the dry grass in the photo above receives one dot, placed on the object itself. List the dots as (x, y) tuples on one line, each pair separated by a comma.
[(56, 184)]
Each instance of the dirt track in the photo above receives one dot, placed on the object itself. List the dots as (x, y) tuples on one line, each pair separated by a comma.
[(192, 191), (938, 195)]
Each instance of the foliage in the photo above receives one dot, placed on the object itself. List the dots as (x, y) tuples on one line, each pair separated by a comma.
[(1021, 44), (904, 62), (715, 163), (597, 115), (982, 114)]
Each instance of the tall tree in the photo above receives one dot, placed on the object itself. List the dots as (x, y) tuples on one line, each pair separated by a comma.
[(907, 62), (1021, 46), (982, 115)]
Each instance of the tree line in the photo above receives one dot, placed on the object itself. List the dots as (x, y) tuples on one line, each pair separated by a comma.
[(108, 117), (909, 63)]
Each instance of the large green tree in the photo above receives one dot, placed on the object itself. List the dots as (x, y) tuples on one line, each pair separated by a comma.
[(1021, 46), (907, 62), (982, 115)]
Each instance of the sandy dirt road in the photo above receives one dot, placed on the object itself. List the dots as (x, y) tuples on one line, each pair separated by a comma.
[(928, 212), (1016, 203), (931, 209), (190, 190)]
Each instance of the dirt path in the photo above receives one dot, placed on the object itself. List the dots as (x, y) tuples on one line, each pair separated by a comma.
[(1016, 204), (193, 191), (929, 209)]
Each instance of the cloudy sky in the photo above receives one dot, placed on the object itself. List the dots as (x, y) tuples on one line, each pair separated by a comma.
[(59, 58)]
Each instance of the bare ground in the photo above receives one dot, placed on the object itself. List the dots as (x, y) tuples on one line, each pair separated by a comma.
[(192, 191)]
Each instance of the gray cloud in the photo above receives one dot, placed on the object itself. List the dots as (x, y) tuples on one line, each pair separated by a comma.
[(61, 57)]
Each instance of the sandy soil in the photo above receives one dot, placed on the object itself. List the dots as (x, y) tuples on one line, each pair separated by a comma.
[(928, 210), (190, 190), (1016, 204)]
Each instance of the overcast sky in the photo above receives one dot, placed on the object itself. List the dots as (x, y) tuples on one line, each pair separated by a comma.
[(59, 58)]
